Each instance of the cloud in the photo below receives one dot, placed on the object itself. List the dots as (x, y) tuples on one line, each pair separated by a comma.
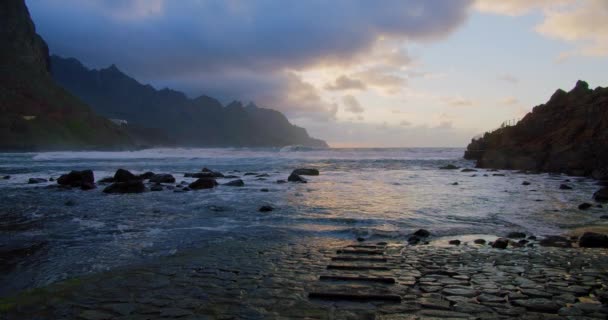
[(345, 83), (508, 78), (245, 49), (405, 123), (509, 101), (445, 125), (516, 7), (352, 104), (458, 102)]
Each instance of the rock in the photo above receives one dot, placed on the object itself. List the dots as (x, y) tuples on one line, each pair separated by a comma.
[(162, 178), (413, 240), (455, 242), (133, 186), (203, 183), (565, 187), (463, 292), (422, 233), (538, 304), (84, 179), (51, 179), (479, 241), (156, 187), (604, 217), (500, 243), (584, 206), (516, 235), (601, 195), (106, 180), (449, 167), (36, 180), (263, 175), (201, 175), (531, 237), (146, 175), (296, 178), (215, 174), (455, 183), (498, 174), (281, 181), (305, 172), (235, 183), (555, 241), (360, 239), (263, 190), (265, 208), (70, 203), (6, 177), (123, 175), (468, 170), (525, 183), (593, 240)]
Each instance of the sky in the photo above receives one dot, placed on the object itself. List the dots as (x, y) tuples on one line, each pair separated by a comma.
[(356, 73)]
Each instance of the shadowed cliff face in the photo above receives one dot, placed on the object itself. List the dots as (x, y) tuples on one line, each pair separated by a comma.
[(36, 113), (567, 134), (202, 122)]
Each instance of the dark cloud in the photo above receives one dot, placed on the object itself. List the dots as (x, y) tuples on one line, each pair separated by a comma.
[(352, 104)]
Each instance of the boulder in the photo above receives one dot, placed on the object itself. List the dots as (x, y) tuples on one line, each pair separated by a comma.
[(146, 175), (265, 208), (565, 187), (422, 233), (162, 178), (584, 206), (123, 175), (500, 243), (281, 181), (203, 183), (525, 183), (306, 172), (468, 170), (156, 187), (449, 167), (201, 175), (78, 179), (216, 174), (296, 178), (455, 242), (555, 241), (6, 177), (516, 235), (36, 180), (479, 241), (132, 186), (87, 186), (235, 183), (413, 240), (601, 195), (593, 240)]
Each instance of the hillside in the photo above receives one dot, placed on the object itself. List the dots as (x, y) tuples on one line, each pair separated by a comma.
[(567, 134), (200, 122), (36, 113)]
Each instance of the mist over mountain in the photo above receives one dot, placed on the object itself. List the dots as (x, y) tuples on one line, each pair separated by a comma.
[(199, 122)]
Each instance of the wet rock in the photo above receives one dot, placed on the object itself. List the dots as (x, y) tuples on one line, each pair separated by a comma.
[(146, 175), (235, 183), (584, 206), (422, 233), (565, 187), (216, 174), (77, 179), (604, 217), (36, 180), (51, 179), (498, 174), (305, 172), (538, 304), (265, 208), (449, 167), (500, 243), (593, 240), (463, 292), (525, 183), (479, 241), (454, 242), (468, 170), (531, 237), (133, 186), (203, 183), (455, 183), (156, 187), (601, 195), (296, 178), (360, 239), (250, 174), (516, 235), (281, 181), (87, 186), (6, 177), (413, 240), (523, 242), (263, 175), (162, 178), (201, 175), (555, 241), (123, 175)]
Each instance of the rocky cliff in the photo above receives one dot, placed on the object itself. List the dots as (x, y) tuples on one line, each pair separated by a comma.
[(567, 134), (200, 122), (36, 113)]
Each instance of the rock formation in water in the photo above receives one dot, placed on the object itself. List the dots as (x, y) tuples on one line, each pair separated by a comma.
[(202, 122), (567, 134), (36, 113)]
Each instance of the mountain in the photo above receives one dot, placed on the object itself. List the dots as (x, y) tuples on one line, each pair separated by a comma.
[(567, 134), (201, 122), (36, 113)]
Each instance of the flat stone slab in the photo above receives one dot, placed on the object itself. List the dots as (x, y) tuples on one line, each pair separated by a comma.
[(361, 279), (355, 297), (367, 259), (360, 251), (538, 304), (345, 267)]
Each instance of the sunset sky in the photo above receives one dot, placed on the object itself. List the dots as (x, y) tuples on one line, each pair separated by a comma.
[(403, 73)]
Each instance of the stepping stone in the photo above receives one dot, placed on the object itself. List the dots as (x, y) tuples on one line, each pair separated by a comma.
[(363, 279), (355, 297), (349, 267), (367, 252), (368, 259)]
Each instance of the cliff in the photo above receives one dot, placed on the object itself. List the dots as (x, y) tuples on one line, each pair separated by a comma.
[(567, 134), (36, 113), (199, 122)]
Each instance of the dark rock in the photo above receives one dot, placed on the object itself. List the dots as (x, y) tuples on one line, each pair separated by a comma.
[(250, 174), (601, 195), (593, 240), (516, 235), (216, 174), (203, 183), (599, 206), (162, 178), (235, 183), (455, 183), (531, 237), (584, 206), (523, 242), (264, 190), (565, 187), (36, 180), (468, 170), (281, 181), (604, 217), (6, 177), (360, 239), (263, 175), (201, 175), (265, 208), (156, 187), (133, 186), (231, 176), (413, 240), (78, 179), (525, 183), (305, 172), (480, 241), (449, 167), (422, 233), (555, 241), (123, 175), (538, 304), (51, 179), (498, 174), (500, 243), (296, 178), (455, 242), (106, 180), (146, 175), (87, 186)]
